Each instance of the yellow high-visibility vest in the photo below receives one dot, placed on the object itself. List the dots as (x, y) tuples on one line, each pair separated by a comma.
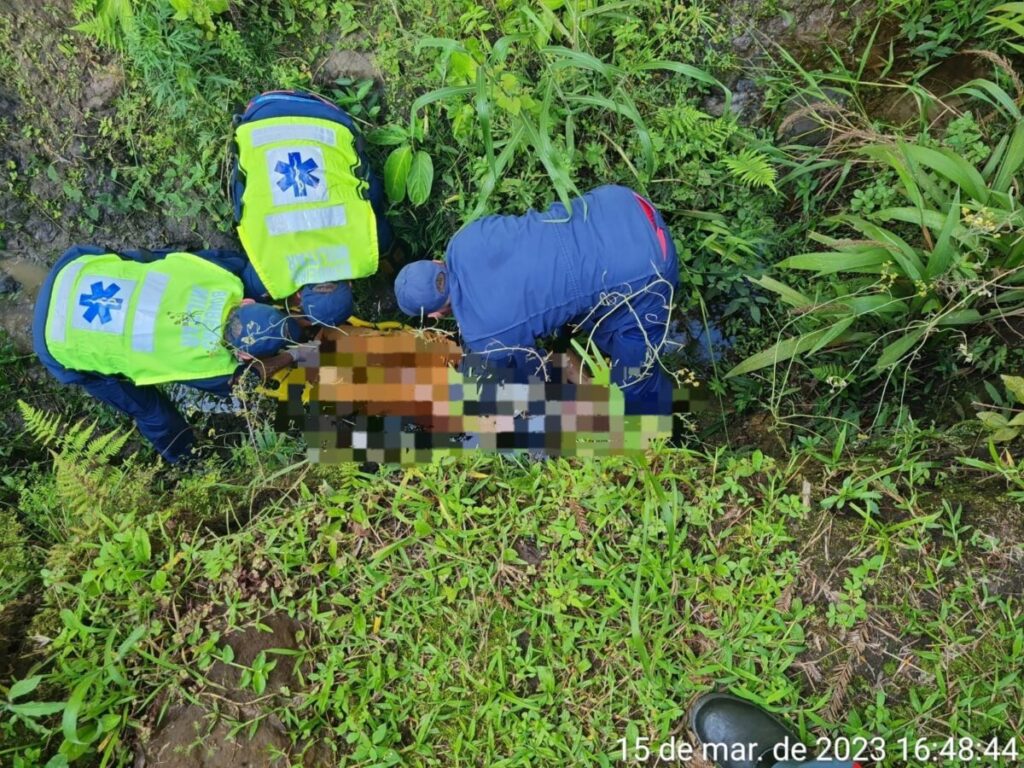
[(304, 215), (152, 322)]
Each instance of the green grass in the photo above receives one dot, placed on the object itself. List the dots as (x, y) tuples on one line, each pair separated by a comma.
[(499, 613)]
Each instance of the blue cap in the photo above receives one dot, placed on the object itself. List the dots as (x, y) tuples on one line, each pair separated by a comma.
[(416, 288), (326, 303), (260, 330)]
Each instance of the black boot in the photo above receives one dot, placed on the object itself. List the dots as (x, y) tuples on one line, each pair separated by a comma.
[(737, 734)]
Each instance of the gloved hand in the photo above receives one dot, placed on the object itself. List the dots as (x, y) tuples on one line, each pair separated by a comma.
[(305, 355)]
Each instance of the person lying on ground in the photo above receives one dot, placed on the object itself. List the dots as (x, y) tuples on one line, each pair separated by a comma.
[(309, 210), (608, 269), (118, 324)]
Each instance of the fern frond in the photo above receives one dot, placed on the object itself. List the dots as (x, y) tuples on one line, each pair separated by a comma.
[(752, 168), (77, 442), (106, 446), (81, 458), (41, 426), (830, 372), (689, 116), (78, 436), (80, 487), (111, 21)]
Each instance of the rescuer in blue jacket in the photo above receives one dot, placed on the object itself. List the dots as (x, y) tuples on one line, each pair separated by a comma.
[(250, 329), (609, 269)]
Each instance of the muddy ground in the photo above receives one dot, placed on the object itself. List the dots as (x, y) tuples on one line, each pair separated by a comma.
[(51, 110)]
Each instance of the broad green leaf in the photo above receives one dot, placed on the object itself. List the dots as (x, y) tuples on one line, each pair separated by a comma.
[(508, 152), (36, 708), (790, 296), (1014, 385), (917, 216), (1004, 435), (991, 419), (868, 260), (439, 94), (23, 687), (462, 66), (902, 253), (388, 136), (995, 159), (396, 172), (895, 351), (875, 305), (943, 252), (1012, 162), (73, 710), (551, 161), (833, 332), (960, 317), (1017, 421), (784, 350), (506, 44), (141, 547), (953, 167), (446, 44), (130, 642), (482, 104), (626, 108), (986, 90), (421, 178)]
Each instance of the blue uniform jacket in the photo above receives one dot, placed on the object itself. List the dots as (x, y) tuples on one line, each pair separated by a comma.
[(516, 279), (156, 417)]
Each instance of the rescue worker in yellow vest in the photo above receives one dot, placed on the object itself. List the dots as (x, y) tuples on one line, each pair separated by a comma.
[(310, 213), (118, 324)]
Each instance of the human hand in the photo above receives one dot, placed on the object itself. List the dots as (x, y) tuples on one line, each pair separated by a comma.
[(305, 355)]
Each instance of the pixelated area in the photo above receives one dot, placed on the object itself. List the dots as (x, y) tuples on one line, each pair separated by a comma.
[(399, 397)]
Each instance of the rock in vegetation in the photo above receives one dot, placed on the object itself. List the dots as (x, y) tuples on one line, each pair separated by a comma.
[(351, 64), (8, 284), (805, 118), (803, 28), (104, 87)]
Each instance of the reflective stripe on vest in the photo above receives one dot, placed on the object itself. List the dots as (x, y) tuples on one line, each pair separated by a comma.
[(151, 322), (304, 217)]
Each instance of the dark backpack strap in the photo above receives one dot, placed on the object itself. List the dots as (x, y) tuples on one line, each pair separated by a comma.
[(146, 256), (235, 182)]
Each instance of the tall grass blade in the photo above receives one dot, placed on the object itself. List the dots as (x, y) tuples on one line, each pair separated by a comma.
[(783, 350), (692, 72), (942, 254), (956, 169), (869, 260), (895, 351), (792, 297), (902, 253), (628, 110), (1012, 162), (991, 93), (566, 57)]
